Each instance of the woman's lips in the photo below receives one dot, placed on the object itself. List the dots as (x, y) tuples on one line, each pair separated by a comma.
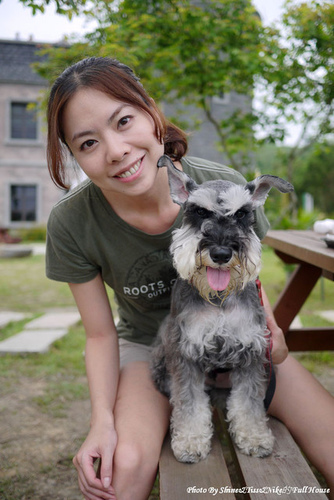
[(132, 173)]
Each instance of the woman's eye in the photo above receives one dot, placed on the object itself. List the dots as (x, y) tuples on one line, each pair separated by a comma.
[(124, 121), (87, 144)]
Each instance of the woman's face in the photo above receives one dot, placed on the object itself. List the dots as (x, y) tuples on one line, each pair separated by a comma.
[(113, 142)]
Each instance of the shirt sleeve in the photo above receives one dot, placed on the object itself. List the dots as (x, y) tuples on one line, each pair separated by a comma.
[(65, 261), (262, 225)]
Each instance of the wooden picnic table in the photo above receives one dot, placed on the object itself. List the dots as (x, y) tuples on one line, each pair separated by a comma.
[(314, 259)]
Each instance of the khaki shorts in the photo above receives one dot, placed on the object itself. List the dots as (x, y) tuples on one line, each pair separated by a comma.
[(130, 352)]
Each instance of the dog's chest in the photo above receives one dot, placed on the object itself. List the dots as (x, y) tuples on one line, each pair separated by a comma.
[(215, 337)]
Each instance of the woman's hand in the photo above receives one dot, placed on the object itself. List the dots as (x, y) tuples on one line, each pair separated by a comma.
[(279, 350), (99, 444)]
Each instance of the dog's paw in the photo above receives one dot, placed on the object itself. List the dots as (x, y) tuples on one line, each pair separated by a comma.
[(256, 445), (190, 449)]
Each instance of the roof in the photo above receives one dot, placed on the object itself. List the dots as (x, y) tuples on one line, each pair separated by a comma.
[(16, 58)]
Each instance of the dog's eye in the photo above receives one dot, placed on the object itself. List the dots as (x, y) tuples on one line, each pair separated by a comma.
[(240, 214), (202, 212)]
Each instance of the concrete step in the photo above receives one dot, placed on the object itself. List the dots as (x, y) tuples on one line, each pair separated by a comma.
[(11, 316), (328, 315), (39, 334), (31, 341), (54, 320)]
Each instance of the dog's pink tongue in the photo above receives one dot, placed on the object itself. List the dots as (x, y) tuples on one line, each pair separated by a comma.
[(218, 279)]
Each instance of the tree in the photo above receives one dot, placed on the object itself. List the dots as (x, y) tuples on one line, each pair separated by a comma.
[(67, 7), (298, 79), (316, 176)]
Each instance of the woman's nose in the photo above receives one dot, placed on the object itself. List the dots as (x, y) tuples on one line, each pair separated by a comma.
[(116, 149)]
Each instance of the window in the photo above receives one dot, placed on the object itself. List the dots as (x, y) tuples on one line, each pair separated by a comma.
[(23, 203), (23, 121)]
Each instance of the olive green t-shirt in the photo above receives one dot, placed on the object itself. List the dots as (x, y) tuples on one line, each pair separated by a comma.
[(86, 237)]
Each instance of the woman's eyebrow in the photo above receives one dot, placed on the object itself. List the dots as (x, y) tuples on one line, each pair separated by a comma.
[(117, 111), (83, 133)]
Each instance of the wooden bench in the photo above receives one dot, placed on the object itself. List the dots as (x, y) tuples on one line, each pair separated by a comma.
[(285, 474)]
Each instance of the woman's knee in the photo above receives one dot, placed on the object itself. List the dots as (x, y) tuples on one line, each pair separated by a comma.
[(135, 459)]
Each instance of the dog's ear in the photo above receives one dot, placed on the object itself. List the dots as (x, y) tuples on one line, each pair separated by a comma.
[(260, 187), (180, 184)]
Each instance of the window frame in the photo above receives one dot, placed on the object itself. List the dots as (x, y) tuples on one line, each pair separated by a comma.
[(8, 203), (24, 141)]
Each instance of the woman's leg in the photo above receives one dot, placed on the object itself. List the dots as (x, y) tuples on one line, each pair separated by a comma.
[(141, 420), (307, 410)]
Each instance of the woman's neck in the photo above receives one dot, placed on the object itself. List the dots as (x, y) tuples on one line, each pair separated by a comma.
[(154, 212)]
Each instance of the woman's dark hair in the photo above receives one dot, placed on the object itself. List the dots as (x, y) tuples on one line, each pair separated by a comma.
[(117, 80)]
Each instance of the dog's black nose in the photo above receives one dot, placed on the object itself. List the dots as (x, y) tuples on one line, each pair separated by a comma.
[(221, 255)]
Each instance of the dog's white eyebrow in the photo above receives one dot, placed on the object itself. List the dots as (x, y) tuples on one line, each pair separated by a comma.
[(234, 198), (205, 198)]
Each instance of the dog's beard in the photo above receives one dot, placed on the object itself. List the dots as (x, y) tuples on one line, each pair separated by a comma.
[(192, 265), (240, 275)]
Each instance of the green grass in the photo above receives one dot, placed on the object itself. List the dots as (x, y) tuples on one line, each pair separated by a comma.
[(65, 358), (24, 286), (58, 393), (16, 326), (274, 275)]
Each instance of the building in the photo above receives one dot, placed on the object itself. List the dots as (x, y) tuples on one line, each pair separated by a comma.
[(26, 192)]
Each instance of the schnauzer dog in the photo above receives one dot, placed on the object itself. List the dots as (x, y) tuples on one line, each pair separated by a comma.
[(216, 321)]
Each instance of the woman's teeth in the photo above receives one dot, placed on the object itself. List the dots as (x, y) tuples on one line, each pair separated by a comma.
[(132, 170)]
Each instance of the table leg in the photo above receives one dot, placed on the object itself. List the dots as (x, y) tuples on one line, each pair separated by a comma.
[(295, 294)]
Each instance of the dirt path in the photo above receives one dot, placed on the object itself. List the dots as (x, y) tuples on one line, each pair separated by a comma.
[(36, 448)]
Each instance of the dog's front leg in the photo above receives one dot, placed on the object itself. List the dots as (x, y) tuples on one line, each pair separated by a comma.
[(191, 423), (246, 413)]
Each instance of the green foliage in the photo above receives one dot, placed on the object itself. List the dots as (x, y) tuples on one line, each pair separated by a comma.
[(316, 176), (37, 234), (300, 74)]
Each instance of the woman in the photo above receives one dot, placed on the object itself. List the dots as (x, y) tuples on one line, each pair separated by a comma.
[(115, 228)]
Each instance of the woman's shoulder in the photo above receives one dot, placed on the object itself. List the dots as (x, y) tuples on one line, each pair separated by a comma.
[(202, 170), (76, 196), (75, 209)]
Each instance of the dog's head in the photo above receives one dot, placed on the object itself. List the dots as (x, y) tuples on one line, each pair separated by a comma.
[(216, 248)]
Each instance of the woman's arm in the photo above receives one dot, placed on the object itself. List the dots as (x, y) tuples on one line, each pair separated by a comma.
[(102, 366), (280, 350)]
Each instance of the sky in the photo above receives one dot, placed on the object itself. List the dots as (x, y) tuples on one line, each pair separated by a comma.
[(16, 21)]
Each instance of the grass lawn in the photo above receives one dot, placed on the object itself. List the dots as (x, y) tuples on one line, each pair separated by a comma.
[(50, 390)]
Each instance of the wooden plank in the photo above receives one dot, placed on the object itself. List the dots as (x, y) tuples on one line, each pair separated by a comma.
[(206, 477), (284, 474), (310, 339), (295, 294), (306, 246)]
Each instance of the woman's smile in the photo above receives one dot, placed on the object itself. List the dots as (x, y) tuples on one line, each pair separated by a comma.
[(132, 173)]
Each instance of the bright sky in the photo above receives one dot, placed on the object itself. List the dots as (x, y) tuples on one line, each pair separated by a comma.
[(17, 20)]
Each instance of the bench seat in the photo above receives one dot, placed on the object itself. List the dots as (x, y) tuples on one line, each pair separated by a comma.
[(284, 474)]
